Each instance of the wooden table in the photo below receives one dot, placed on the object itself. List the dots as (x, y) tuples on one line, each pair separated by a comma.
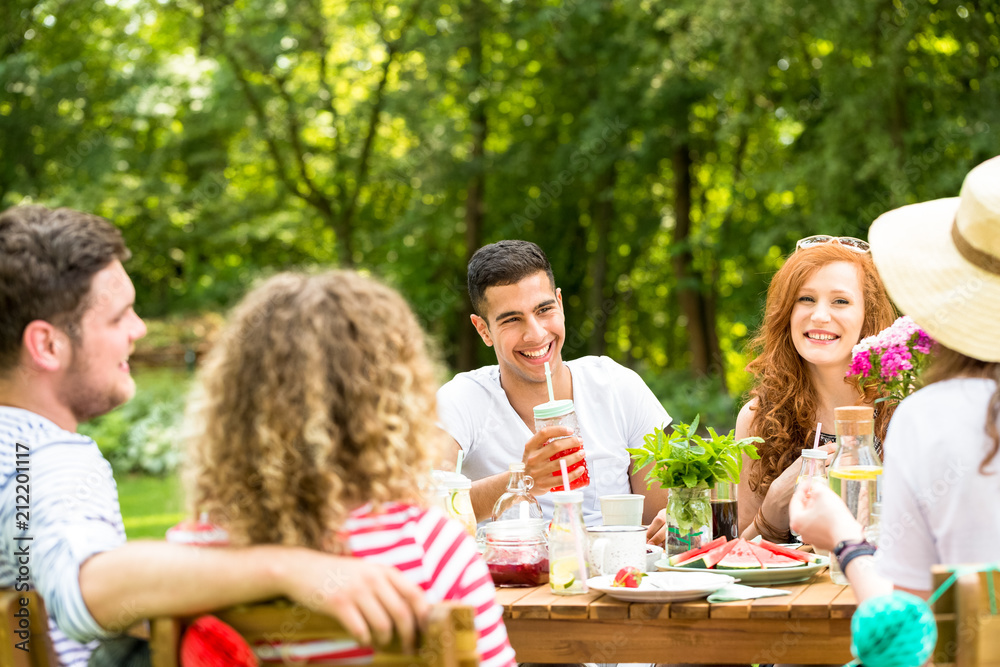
[(810, 626)]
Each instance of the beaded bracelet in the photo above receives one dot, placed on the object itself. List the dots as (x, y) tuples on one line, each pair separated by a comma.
[(848, 550)]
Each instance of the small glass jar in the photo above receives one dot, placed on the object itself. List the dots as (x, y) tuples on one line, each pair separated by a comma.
[(454, 491), (516, 552), (562, 413), (567, 544)]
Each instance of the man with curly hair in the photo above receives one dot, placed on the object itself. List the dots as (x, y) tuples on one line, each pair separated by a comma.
[(67, 328), (489, 411)]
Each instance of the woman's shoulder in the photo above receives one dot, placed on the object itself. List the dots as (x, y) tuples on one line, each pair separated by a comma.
[(745, 418)]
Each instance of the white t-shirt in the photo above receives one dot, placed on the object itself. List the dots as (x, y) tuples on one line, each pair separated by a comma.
[(937, 506), (614, 407)]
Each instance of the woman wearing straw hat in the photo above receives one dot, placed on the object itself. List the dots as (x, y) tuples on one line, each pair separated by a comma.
[(940, 261)]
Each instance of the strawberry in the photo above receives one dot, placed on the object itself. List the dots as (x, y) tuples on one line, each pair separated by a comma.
[(628, 577)]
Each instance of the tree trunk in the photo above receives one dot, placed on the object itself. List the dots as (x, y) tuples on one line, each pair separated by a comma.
[(689, 295), (602, 214), (475, 205)]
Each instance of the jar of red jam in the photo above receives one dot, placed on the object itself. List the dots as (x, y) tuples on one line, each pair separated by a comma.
[(517, 553)]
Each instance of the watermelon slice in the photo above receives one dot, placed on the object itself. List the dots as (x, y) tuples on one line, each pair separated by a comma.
[(711, 559), (785, 551), (770, 560), (688, 555), (740, 557)]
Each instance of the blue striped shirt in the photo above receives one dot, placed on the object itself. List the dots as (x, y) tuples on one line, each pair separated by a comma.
[(73, 513)]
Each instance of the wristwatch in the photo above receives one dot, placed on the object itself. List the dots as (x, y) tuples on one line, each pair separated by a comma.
[(848, 550)]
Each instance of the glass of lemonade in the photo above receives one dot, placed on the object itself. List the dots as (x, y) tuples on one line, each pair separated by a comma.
[(856, 469)]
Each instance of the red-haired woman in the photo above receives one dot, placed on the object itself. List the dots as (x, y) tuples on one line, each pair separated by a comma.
[(825, 298)]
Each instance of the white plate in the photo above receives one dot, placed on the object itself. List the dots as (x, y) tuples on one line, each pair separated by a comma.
[(664, 586), (754, 576)]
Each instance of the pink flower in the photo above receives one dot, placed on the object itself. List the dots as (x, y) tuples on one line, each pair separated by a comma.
[(924, 343), (897, 358), (861, 363)]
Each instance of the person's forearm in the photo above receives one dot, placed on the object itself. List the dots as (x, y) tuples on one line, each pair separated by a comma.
[(865, 582), (485, 493), (147, 579), (656, 500)]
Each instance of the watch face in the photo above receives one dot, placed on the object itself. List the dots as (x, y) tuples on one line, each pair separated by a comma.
[(843, 544)]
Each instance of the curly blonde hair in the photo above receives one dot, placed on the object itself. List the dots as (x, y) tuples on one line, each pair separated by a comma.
[(318, 397), (785, 414)]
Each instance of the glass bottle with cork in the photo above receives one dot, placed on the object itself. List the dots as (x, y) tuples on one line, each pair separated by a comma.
[(856, 469)]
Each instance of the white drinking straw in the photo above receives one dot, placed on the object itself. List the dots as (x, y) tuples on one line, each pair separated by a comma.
[(819, 425), (565, 474), (548, 380), (458, 466)]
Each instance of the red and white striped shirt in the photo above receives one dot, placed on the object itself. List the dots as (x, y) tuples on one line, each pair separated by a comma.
[(433, 552)]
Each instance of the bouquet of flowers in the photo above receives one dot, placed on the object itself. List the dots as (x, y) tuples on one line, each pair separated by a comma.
[(893, 359)]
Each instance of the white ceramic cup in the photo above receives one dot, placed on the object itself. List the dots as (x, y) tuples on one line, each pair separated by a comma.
[(615, 547), (624, 509)]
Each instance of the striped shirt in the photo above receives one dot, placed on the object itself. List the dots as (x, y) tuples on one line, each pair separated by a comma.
[(72, 513), (432, 551)]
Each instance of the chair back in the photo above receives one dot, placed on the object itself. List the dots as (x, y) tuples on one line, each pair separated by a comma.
[(968, 630), (449, 641), (24, 618)]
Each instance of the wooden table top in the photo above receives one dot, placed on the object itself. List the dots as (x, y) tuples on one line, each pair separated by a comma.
[(810, 625)]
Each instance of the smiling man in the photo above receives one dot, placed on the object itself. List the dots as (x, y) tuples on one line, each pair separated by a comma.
[(67, 328), (489, 411)]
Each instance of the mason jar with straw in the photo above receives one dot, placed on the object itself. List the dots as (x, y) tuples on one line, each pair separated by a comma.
[(561, 413)]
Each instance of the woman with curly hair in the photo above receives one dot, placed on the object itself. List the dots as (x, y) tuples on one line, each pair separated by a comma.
[(313, 425), (821, 302)]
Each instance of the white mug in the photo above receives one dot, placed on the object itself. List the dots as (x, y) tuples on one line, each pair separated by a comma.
[(624, 509), (615, 547)]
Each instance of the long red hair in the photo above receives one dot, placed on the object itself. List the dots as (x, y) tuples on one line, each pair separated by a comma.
[(785, 415)]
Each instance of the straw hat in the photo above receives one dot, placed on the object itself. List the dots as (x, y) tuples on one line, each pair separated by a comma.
[(940, 262)]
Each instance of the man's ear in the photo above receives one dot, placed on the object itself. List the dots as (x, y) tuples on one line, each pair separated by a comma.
[(483, 328), (46, 346), (559, 298)]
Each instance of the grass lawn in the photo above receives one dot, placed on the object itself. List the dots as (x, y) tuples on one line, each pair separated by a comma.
[(150, 505)]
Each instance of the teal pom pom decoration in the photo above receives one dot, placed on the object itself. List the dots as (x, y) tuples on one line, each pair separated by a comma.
[(895, 630)]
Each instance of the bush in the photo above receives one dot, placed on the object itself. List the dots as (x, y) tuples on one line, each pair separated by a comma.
[(143, 436), (685, 396)]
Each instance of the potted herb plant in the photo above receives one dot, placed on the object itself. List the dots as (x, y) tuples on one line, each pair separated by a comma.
[(689, 466)]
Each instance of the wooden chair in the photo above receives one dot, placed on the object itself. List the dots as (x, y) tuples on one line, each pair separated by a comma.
[(968, 633), (450, 639), (40, 653)]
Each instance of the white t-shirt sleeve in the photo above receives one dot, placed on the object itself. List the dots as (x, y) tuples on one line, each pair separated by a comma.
[(906, 541), (644, 411), (455, 415)]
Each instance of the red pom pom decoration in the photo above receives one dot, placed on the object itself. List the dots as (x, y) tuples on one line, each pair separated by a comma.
[(208, 642)]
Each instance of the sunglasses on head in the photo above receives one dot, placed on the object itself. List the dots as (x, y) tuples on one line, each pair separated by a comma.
[(849, 242)]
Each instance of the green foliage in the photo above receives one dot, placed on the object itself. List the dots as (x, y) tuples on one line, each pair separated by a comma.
[(685, 459), (683, 395), (149, 505), (231, 140), (143, 436)]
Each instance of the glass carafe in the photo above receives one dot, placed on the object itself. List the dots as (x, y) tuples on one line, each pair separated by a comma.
[(856, 469), (517, 501)]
